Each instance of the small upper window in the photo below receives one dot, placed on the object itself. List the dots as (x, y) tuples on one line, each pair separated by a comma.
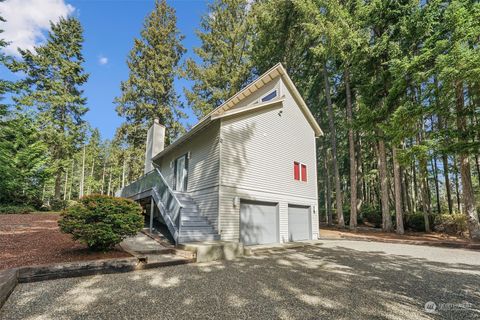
[(304, 173), (270, 96), (296, 171)]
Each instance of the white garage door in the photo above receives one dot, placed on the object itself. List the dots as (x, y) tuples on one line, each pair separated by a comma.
[(258, 222), (298, 223)]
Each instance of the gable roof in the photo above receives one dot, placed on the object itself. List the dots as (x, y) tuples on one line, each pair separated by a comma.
[(277, 70)]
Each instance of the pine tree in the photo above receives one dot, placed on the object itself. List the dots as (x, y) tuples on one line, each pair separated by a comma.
[(149, 92), (54, 75), (5, 86), (225, 55)]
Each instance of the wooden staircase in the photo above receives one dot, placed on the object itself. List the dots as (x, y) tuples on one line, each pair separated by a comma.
[(193, 226), (179, 211)]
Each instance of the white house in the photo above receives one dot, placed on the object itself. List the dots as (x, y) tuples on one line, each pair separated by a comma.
[(246, 172)]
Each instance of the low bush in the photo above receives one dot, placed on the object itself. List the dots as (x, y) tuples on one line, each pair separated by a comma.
[(58, 204), (101, 222), (454, 224), (372, 215), (416, 221), (346, 216), (15, 209)]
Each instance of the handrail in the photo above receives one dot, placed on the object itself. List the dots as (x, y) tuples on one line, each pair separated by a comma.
[(169, 188), (131, 189), (167, 202)]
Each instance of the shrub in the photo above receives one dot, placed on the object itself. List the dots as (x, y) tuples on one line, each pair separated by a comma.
[(416, 221), (101, 222), (58, 204), (372, 214), (455, 224), (15, 209), (346, 216)]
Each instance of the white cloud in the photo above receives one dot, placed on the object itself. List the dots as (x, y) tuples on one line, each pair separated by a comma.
[(27, 20), (102, 60)]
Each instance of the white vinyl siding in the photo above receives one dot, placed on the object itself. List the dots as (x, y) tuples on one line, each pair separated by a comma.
[(258, 150), (203, 169)]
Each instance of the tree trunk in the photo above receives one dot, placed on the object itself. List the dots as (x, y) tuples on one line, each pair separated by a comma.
[(408, 203), (124, 168), (398, 192), (457, 187), (71, 181), (382, 171), (353, 162), (66, 185), (414, 187), (103, 177), (109, 181), (89, 188), (333, 138), (424, 185), (328, 202), (468, 195), (82, 178), (446, 176), (58, 183), (437, 188)]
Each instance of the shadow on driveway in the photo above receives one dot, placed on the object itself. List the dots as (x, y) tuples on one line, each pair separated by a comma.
[(321, 282)]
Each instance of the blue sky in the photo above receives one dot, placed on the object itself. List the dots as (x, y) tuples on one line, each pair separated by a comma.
[(109, 29)]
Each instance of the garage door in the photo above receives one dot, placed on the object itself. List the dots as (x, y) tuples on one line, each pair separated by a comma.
[(258, 222), (298, 223)]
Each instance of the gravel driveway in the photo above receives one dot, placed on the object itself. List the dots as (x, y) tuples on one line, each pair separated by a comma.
[(333, 280)]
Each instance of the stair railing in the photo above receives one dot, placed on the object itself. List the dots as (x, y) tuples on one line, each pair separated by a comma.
[(167, 202)]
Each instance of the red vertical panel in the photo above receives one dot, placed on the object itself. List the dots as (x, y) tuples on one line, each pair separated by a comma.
[(296, 171), (304, 172)]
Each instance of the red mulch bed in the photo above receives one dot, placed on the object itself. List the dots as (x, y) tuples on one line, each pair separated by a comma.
[(32, 239)]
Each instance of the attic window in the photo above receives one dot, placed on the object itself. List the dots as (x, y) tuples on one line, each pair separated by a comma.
[(270, 96)]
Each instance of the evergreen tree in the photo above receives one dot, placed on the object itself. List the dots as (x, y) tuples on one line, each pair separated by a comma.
[(24, 161), (5, 85), (225, 55), (149, 92), (54, 76)]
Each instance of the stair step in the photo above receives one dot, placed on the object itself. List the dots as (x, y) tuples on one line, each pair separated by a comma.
[(197, 223), (191, 214), (202, 229), (189, 207), (194, 219), (196, 232)]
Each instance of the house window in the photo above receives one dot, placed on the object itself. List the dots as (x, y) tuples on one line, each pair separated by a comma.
[(296, 171), (304, 173), (270, 96), (300, 171)]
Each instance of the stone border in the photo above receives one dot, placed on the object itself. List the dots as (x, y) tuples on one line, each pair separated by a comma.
[(9, 278), (8, 282)]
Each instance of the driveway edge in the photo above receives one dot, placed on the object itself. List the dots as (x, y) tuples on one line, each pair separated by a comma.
[(442, 244), (8, 282)]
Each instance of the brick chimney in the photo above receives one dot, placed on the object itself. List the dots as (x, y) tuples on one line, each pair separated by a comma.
[(155, 144)]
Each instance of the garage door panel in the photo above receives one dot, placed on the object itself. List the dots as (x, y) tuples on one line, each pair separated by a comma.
[(298, 223), (258, 223)]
